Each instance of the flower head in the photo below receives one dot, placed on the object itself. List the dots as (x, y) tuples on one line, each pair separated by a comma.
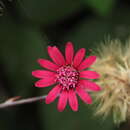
[(113, 63), (69, 75)]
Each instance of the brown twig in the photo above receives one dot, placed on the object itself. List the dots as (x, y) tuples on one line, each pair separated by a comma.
[(12, 102)]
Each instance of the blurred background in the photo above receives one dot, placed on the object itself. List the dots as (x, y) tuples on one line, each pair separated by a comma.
[(26, 28)]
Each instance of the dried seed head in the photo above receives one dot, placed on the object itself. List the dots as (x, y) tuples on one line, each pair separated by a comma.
[(113, 64)]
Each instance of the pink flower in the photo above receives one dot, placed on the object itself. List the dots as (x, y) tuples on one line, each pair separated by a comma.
[(69, 75)]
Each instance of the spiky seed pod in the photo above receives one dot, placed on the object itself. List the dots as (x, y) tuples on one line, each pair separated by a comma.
[(113, 64)]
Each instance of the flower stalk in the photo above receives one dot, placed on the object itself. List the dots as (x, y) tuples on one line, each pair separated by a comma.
[(14, 102)]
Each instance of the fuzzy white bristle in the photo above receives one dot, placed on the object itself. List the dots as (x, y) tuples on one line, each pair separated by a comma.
[(113, 64)]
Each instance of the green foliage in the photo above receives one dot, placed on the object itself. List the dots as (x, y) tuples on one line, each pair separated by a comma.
[(47, 11), (20, 48), (68, 120), (102, 7)]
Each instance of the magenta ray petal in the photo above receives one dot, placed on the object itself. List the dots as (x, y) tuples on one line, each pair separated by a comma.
[(62, 100), (89, 74), (79, 57), (45, 82), (83, 95), (43, 73), (87, 62), (89, 85), (69, 52), (53, 94), (56, 55), (73, 102), (48, 64)]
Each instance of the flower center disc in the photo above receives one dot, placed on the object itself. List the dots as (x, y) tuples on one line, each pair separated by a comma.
[(68, 77)]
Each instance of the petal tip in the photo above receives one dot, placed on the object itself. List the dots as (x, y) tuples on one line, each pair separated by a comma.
[(75, 109), (47, 101), (60, 110), (39, 60), (83, 50), (98, 76), (89, 102), (94, 57), (36, 84), (69, 43), (99, 89), (33, 73), (49, 47)]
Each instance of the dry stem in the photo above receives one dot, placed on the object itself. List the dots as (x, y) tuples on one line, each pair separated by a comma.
[(12, 102)]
